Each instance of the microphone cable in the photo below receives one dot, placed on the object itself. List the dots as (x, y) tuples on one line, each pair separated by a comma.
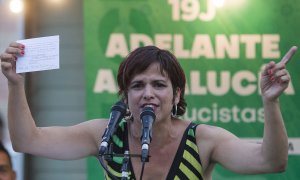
[(106, 169), (142, 171)]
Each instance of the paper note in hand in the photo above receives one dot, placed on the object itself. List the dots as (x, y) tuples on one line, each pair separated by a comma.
[(40, 54)]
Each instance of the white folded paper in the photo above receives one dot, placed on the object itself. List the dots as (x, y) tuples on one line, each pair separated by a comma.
[(40, 54)]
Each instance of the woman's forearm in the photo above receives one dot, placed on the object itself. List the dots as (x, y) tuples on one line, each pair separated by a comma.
[(20, 122), (275, 139)]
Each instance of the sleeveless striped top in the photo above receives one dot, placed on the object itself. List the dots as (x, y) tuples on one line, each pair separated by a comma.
[(186, 164)]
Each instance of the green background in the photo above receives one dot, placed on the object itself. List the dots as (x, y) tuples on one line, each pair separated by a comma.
[(104, 17)]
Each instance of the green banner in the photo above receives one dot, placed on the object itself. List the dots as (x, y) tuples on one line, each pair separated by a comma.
[(222, 50)]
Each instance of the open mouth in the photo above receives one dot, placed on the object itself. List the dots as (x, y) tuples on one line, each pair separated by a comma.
[(153, 106), (148, 105)]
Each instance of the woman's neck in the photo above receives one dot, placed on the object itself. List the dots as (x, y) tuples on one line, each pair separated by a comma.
[(161, 131)]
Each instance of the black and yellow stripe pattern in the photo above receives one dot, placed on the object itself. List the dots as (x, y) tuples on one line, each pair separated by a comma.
[(119, 145), (186, 165)]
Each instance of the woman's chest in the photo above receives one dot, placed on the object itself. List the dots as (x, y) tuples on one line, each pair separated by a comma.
[(159, 164)]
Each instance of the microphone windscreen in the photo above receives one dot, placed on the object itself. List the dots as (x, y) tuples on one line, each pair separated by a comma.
[(120, 106), (147, 110)]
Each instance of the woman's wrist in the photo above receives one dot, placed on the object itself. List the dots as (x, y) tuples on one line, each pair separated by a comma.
[(270, 100), (18, 85)]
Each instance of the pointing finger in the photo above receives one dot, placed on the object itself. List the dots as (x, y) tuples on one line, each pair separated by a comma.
[(288, 56)]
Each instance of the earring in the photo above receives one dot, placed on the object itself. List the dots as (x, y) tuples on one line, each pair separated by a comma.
[(174, 111), (128, 116)]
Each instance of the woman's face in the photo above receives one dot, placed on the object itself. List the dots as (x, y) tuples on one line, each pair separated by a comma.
[(151, 88)]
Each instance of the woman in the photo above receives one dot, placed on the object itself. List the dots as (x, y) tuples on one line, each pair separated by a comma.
[(178, 148)]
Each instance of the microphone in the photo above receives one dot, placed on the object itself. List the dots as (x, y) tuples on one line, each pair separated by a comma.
[(147, 117), (118, 111)]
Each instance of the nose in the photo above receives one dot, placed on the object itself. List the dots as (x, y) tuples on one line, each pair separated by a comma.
[(148, 93)]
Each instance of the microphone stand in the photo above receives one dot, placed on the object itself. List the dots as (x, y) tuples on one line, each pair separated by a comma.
[(108, 156), (125, 166)]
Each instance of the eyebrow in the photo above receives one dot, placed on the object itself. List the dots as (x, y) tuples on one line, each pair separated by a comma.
[(163, 78), (155, 81), (136, 82)]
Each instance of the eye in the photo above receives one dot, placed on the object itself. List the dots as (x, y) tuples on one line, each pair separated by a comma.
[(160, 85), (136, 85)]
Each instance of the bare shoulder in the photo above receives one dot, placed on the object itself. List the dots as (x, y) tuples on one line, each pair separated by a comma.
[(96, 123), (92, 128), (208, 138)]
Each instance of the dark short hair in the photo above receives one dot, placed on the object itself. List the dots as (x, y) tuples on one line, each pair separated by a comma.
[(3, 149), (140, 59)]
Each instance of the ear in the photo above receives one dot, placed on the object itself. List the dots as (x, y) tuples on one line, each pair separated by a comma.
[(177, 95)]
